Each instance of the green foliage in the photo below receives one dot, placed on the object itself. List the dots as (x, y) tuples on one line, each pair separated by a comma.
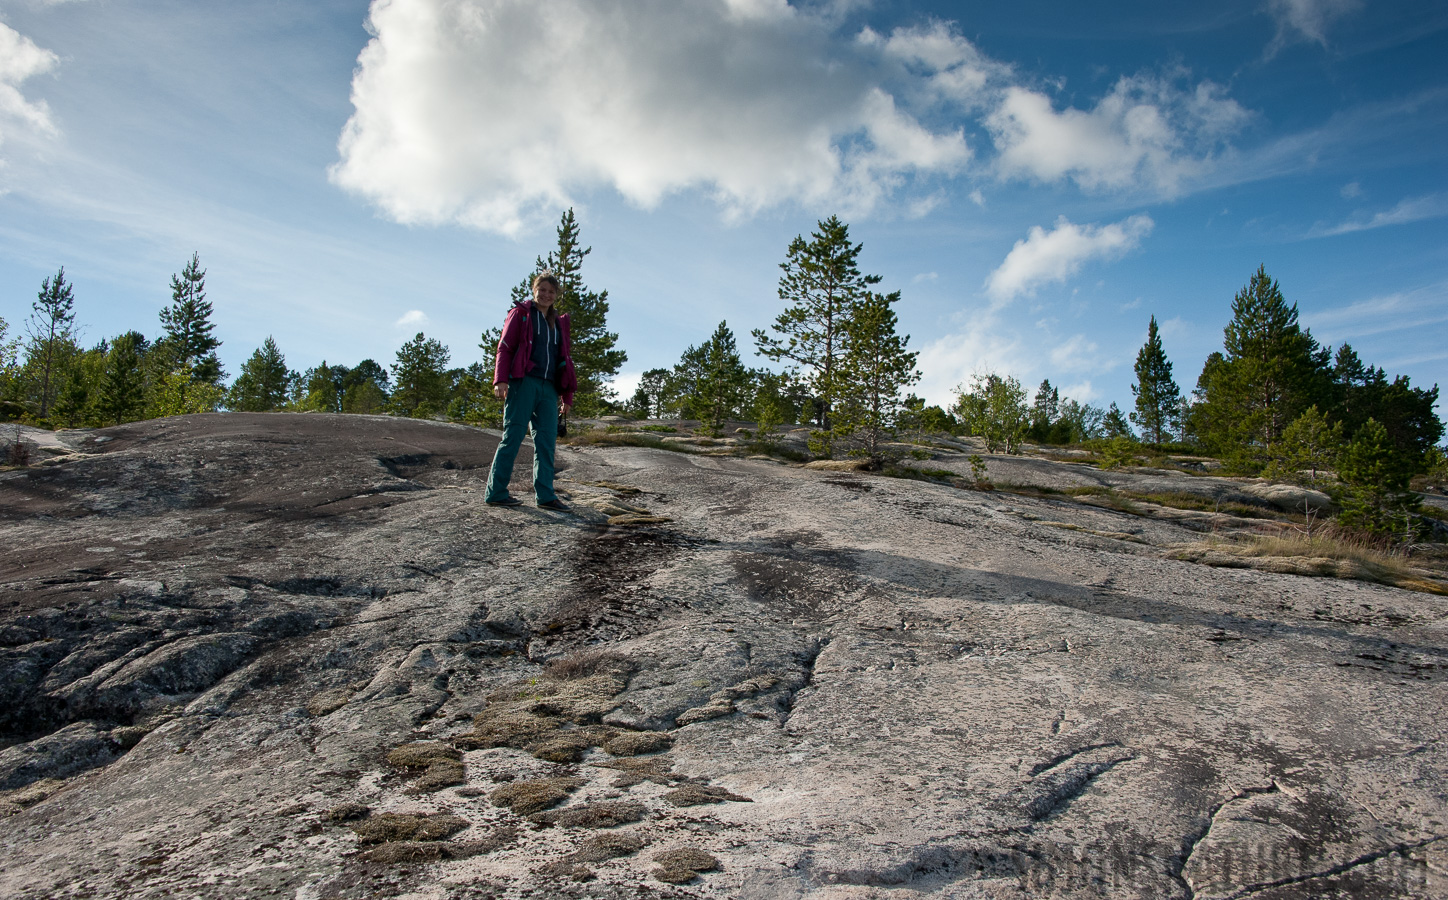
[(420, 377), (265, 383), (188, 325), (709, 381), (1310, 444), (1117, 452), (652, 393), (994, 409), (1158, 399), (875, 368), (821, 285), (9, 364), (1364, 392), (978, 471), (1114, 424), (596, 358), (52, 338), (179, 393), (472, 399), (1374, 493), (76, 390), (1271, 371), (122, 393)]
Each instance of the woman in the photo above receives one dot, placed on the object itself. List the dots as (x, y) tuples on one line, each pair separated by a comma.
[(534, 377)]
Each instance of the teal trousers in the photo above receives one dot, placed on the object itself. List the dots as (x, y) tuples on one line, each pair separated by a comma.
[(534, 402)]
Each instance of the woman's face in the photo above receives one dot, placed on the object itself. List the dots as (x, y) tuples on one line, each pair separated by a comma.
[(544, 293)]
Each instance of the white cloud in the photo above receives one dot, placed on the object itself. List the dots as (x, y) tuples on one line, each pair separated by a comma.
[(1306, 19), (1404, 311), (924, 277), (1410, 209), (1077, 354), (21, 59), (494, 113), (1148, 131), (625, 384), (1352, 189), (1055, 255), (413, 318), (981, 345)]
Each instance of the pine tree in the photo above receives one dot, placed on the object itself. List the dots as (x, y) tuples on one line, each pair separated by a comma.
[(1114, 424), (710, 381), (1375, 496), (123, 386), (873, 371), (821, 283), (188, 324), (52, 335), (1158, 399), (648, 399), (1270, 372), (1309, 444), (264, 383), (596, 358), (421, 378)]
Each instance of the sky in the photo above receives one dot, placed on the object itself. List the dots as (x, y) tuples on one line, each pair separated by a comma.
[(1037, 179)]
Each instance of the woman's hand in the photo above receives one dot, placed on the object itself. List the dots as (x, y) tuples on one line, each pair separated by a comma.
[(564, 408), (500, 390)]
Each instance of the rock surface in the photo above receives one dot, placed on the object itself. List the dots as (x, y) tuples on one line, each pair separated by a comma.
[(216, 632)]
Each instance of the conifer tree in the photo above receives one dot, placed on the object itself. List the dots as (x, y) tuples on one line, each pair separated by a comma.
[(1375, 496), (188, 325), (420, 376), (596, 357), (873, 371), (1309, 444), (264, 383), (1114, 424), (821, 283), (1158, 399), (52, 335), (710, 381), (1270, 372), (123, 386)]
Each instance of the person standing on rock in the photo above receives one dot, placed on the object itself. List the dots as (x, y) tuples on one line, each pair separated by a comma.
[(534, 377)]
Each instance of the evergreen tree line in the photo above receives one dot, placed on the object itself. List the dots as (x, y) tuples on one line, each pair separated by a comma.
[(1273, 401)]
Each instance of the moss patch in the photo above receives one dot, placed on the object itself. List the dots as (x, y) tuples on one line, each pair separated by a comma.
[(683, 865), (441, 774), (432, 851), (656, 769), (528, 797), (329, 701), (609, 845), (635, 743), (348, 812), (606, 814), (422, 754), (700, 794), (390, 827)]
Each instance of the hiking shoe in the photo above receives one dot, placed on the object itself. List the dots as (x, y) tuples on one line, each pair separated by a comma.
[(506, 501), (555, 504)]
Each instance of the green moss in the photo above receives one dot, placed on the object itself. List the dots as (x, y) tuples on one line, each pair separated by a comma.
[(569, 745), (609, 845), (656, 769), (683, 865)]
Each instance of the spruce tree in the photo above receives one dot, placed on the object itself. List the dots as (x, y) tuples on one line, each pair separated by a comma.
[(1375, 496), (596, 357), (52, 335), (821, 283), (1158, 399), (873, 371), (717, 381), (264, 383), (188, 326)]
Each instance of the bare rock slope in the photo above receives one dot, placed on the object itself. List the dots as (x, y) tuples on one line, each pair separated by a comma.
[(275, 655)]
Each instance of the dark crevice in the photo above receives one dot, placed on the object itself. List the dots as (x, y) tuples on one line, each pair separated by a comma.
[(807, 665), (1366, 859), (1190, 842), (1057, 760)]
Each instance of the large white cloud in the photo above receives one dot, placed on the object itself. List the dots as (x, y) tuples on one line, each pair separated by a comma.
[(495, 112), (1149, 131), (1055, 255), (20, 59)]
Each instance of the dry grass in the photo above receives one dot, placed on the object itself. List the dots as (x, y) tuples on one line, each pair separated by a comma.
[(1326, 554)]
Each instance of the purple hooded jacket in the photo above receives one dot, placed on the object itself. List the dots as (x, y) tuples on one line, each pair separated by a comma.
[(515, 351)]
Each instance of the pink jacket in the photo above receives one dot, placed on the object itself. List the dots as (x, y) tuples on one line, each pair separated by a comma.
[(515, 351)]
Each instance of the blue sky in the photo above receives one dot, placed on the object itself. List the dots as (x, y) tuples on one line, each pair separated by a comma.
[(1036, 178)]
